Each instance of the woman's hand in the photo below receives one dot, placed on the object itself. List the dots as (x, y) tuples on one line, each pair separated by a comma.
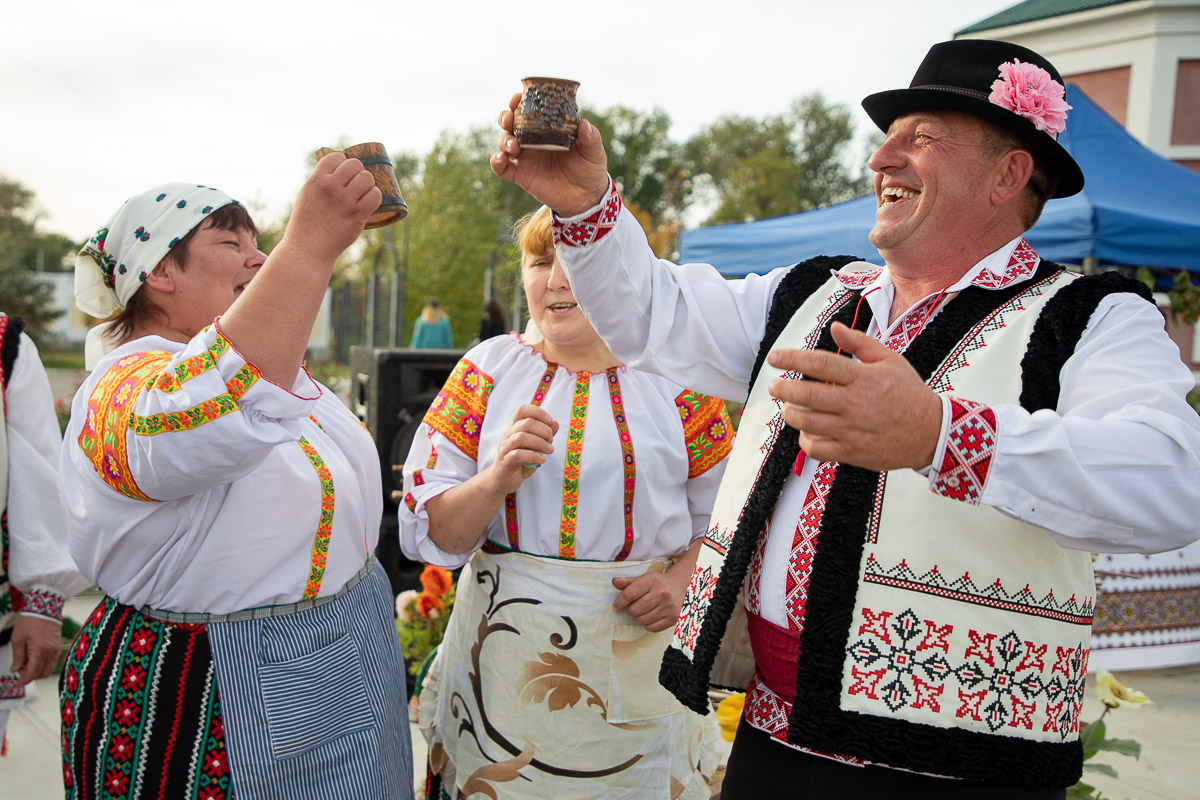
[(570, 182), (655, 597), (523, 447), (333, 205), (271, 321), (459, 516)]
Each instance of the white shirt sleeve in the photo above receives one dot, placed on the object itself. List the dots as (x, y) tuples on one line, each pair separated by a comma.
[(421, 485), (685, 322), (1115, 468), (38, 558)]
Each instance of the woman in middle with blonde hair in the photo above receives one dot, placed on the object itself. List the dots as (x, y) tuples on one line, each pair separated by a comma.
[(576, 491)]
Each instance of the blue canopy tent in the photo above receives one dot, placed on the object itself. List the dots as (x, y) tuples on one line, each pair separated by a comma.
[(1137, 209)]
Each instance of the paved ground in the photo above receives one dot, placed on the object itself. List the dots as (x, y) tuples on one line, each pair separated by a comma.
[(1168, 769)]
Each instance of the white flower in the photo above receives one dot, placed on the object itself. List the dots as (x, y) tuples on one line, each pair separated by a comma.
[(405, 603)]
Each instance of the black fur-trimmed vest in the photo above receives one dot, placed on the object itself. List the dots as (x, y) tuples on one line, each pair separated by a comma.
[(939, 636)]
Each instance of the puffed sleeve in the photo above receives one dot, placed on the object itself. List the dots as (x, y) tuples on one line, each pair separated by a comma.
[(39, 566), (708, 434), (161, 427), (444, 454)]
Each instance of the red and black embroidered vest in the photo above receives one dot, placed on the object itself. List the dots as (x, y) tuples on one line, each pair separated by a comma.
[(939, 637)]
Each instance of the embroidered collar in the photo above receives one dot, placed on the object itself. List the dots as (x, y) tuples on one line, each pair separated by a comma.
[(1018, 259), (530, 349), (1014, 262)]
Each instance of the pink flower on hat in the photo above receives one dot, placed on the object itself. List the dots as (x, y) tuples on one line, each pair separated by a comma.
[(1028, 91)]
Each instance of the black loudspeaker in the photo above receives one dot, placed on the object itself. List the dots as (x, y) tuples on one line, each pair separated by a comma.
[(390, 391)]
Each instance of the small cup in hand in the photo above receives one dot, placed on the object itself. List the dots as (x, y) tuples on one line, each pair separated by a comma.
[(548, 117), (374, 157)]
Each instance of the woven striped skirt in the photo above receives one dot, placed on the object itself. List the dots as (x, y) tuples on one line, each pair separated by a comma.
[(283, 702)]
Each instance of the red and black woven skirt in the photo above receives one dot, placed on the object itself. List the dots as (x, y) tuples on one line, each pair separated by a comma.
[(141, 714)]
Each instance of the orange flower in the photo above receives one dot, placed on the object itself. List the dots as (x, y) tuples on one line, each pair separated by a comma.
[(436, 581), (430, 606)]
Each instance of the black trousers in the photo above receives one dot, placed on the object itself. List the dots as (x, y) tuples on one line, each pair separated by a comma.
[(762, 769)]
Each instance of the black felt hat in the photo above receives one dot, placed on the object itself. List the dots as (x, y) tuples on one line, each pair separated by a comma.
[(958, 76)]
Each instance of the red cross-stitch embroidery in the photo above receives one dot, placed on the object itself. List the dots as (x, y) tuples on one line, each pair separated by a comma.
[(592, 228), (804, 544), (1021, 264), (907, 329), (769, 712), (754, 578), (999, 680), (857, 280), (970, 443), (45, 603), (695, 606)]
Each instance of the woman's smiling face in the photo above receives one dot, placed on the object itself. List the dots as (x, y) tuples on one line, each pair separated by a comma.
[(220, 263), (552, 305)]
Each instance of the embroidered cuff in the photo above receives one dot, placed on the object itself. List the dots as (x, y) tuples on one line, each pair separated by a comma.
[(42, 603), (304, 381), (591, 226), (9, 689), (967, 459)]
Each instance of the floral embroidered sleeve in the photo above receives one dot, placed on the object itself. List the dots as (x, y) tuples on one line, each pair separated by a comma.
[(707, 430), (708, 434), (964, 456), (159, 426), (444, 454)]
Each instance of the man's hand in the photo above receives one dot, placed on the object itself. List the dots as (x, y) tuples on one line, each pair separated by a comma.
[(570, 181), (36, 643), (874, 413), (332, 207)]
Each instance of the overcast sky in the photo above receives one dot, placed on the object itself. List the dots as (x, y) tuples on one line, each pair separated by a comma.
[(99, 101)]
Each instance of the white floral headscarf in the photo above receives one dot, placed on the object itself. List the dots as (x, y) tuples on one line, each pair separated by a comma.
[(112, 265)]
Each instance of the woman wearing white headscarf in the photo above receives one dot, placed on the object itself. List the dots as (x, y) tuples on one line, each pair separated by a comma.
[(228, 505)]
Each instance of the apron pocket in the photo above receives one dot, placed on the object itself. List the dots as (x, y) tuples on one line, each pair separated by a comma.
[(314, 699), (634, 693)]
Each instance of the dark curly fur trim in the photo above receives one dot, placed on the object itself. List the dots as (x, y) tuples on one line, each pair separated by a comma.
[(12, 341), (1056, 334)]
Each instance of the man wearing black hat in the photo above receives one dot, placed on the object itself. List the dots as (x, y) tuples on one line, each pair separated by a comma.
[(927, 454)]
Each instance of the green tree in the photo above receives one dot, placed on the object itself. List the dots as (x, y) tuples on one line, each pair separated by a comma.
[(648, 168), (777, 165), (22, 252)]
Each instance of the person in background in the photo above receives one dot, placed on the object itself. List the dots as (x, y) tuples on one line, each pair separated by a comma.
[(432, 328), (37, 575), (493, 322), (576, 491), (928, 452), (228, 505)]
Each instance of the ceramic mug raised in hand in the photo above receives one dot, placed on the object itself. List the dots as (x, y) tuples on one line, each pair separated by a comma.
[(548, 116)]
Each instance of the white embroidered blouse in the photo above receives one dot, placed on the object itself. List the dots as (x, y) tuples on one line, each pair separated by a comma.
[(635, 466), (191, 483)]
